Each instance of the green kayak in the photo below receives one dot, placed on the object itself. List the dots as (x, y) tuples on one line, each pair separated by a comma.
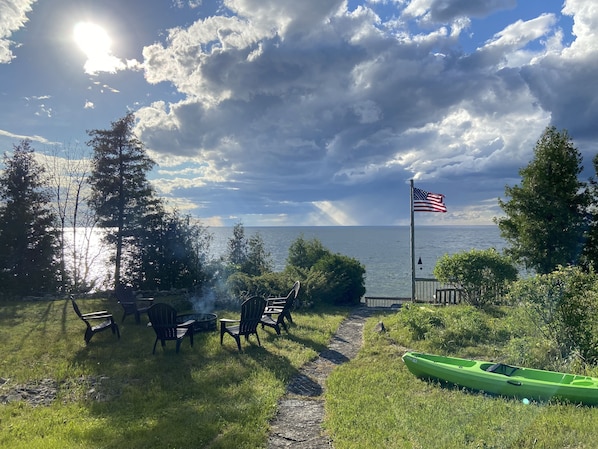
[(504, 380)]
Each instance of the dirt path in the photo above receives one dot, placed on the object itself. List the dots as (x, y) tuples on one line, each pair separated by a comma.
[(298, 422)]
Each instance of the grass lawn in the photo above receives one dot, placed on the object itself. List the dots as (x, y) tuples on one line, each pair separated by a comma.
[(116, 394), (373, 401)]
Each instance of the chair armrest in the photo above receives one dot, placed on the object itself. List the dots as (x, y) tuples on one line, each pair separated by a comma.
[(186, 323), (277, 305), (226, 320), (145, 299), (275, 301), (272, 310), (102, 313), (98, 317)]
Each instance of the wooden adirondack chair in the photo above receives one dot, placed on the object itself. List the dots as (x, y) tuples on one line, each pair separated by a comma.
[(281, 307), (131, 304), (104, 319), (163, 319), (252, 310)]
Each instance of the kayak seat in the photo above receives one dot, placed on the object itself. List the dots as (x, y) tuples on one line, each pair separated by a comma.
[(501, 368)]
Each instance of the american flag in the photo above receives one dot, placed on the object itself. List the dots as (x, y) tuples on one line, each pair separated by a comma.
[(427, 202)]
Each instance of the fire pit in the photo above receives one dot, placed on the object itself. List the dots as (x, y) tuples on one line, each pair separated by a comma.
[(204, 322)]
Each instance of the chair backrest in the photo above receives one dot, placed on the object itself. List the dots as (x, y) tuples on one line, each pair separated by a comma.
[(77, 311), (161, 314), (290, 300), (295, 290), (163, 319), (252, 310), (124, 293)]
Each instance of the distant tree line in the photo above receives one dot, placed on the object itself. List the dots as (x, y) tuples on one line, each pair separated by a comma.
[(326, 277), (151, 247)]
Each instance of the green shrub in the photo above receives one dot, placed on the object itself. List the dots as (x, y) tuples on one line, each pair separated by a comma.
[(482, 275), (564, 306), (464, 327), (241, 285), (325, 277), (345, 279)]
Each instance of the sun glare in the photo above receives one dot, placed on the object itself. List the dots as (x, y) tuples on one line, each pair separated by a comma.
[(92, 39)]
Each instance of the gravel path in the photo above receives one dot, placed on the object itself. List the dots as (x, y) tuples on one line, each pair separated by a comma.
[(298, 422)]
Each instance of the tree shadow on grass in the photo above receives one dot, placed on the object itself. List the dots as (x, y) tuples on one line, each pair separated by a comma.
[(206, 395)]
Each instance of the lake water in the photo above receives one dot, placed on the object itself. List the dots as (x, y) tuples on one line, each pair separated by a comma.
[(384, 251)]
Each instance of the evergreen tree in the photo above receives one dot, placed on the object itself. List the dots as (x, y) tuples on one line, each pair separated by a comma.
[(248, 255), (305, 253), (545, 217), (28, 238), (121, 193), (237, 246), (590, 253), (171, 254), (259, 260)]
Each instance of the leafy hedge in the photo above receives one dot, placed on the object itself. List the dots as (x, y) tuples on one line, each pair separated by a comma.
[(325, 277)]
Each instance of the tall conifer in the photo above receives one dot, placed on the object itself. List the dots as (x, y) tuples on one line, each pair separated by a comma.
[(546, 217), (28, 237), (121, 192)]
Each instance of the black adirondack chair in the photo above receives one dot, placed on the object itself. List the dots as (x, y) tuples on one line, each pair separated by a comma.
[(252, 310), (163, 319), (131, 304), (281, 308), (103, 318)]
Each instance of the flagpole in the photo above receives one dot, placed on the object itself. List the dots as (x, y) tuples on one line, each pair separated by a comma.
[(412, 243)]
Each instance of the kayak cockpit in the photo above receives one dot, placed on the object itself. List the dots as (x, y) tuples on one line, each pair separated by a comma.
[(499, 368)]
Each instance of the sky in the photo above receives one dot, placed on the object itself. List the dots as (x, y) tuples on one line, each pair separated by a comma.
[(311, 112)]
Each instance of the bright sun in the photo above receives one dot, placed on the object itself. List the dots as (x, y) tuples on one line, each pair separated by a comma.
[(92, 39), (95, 43)]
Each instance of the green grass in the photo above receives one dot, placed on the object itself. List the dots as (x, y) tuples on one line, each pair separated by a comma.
[(375, 402), (206, 396), (212, 396)]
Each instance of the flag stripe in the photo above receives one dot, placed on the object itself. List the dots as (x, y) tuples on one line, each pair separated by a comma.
[(427, 202)]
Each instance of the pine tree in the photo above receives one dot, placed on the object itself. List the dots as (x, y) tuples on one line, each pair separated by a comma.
[(28, 238), (121, 193), (546, 216)]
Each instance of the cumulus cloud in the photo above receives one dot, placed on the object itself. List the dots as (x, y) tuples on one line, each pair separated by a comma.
[(565, 83), (350, 101), (444, 11), (13, 15)]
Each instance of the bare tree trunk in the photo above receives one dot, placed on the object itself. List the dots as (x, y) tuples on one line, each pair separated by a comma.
[(68, 171)]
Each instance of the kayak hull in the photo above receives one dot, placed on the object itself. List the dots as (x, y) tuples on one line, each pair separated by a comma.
[(504, 380)]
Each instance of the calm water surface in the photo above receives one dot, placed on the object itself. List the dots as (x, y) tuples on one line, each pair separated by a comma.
[(384, 251)]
